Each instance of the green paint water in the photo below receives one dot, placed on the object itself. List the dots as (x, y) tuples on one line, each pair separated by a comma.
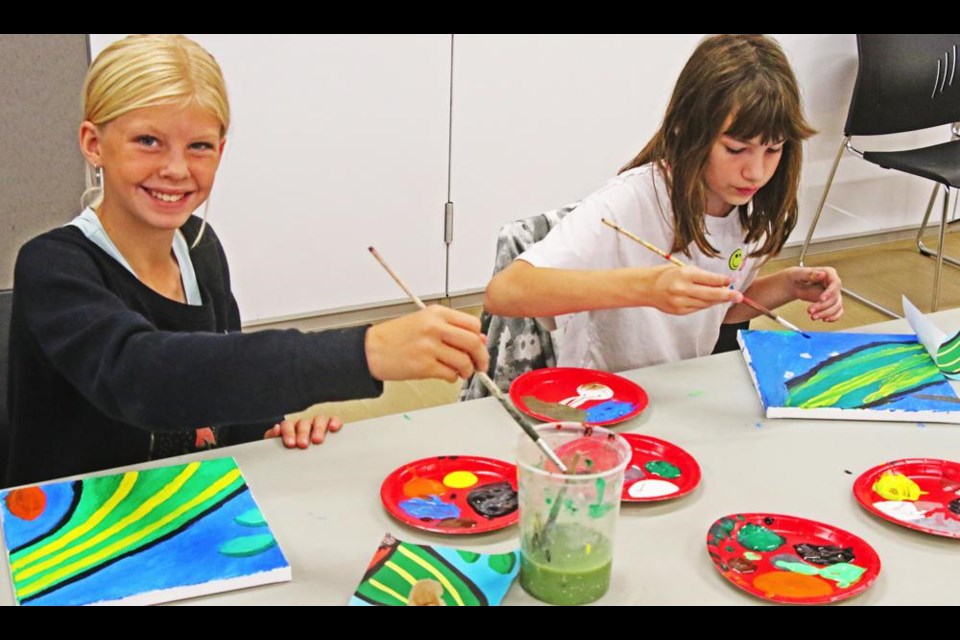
[(572, 567), (750, 555), (663, 469), (758, 538)]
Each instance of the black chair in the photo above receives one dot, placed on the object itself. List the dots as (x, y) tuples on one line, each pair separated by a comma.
[(6, 300), (906, 82)]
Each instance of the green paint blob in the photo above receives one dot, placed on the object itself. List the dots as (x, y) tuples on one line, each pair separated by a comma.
[(247, 545), (730, 549), (503, 563), (694, 394), (758, 538), (843, 573), (663, 469), (251, 518), (797, 567), (570, 505), (599, 508), (468, 556), (720, 530), (750, 555)]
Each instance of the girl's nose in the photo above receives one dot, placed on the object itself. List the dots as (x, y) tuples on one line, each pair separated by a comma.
[(175, 167), (753, 167)]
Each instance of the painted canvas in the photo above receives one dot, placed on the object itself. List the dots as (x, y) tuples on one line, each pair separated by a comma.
[(405, 574), (847, 376), (140, 537)]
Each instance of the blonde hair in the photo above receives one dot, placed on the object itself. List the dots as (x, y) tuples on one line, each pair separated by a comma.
[(749, 78), (150, 70)]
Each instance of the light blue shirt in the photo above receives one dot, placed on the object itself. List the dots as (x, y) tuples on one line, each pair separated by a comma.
[(89, 223)]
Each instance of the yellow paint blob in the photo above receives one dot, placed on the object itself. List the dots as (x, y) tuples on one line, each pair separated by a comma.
[(460, 479), (787, 584), (896, 486)]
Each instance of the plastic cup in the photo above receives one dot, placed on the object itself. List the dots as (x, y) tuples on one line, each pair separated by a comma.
[(567, 520)]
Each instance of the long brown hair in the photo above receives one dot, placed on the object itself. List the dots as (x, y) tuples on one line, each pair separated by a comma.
[(746, 77)]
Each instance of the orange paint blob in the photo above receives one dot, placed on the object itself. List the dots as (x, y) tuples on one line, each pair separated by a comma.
[(421, 487), (792, 585), (27, 503)]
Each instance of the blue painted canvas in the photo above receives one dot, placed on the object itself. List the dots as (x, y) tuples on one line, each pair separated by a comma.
[(139, 537), (852, 376)]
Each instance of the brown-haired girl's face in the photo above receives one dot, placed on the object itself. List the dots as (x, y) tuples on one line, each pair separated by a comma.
[(159, 163), (736, 169)]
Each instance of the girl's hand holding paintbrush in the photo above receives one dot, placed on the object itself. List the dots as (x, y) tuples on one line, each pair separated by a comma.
[(818, 285), (435, 342)]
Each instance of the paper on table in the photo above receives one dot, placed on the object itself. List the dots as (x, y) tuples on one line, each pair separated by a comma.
[(944, 351)]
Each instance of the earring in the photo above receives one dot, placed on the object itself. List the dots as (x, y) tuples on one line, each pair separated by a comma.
[(94, 191)]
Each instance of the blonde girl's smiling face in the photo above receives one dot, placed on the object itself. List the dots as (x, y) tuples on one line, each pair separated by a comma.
[(736, 169), (159, 164)]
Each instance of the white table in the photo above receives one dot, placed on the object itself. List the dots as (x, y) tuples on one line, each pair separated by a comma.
[(324, 506)]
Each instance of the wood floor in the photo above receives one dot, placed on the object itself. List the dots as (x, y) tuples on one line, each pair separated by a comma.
[(881, 272)]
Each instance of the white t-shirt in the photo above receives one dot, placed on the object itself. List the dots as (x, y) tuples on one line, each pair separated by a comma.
[(620, 339)]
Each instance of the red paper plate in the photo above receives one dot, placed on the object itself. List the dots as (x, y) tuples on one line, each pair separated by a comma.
[(791, 560), (659, 470), (917, 493), (577, 395), (453, 494)]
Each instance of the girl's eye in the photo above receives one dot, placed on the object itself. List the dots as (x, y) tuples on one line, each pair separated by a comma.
[(774, 151), (735, 150), (202, 146), (147, 141)]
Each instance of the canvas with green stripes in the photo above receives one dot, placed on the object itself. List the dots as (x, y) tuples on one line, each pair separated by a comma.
[(853, 376), (138, 537), (402, 574)]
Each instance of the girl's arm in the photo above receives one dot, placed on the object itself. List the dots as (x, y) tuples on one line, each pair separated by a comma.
[(525, 290), (819, 285)]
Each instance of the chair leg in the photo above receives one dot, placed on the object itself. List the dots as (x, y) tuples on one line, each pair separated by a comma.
[(823, 200), (816, 219), (925, 250), (940, 258)]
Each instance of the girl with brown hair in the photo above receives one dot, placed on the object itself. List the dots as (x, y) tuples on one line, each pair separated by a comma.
[(717, 185)]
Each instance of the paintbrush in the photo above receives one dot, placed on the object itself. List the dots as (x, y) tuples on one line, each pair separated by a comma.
[(663, 254), (484, 378)]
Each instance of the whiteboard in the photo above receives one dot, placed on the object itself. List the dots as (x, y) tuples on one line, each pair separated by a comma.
[(337, 143)]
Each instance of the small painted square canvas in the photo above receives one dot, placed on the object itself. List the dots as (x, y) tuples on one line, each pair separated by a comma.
[(140, 537), (847, 376), (405, 574)]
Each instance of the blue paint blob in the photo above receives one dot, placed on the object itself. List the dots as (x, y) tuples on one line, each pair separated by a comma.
[(609, 410), (430, 507)]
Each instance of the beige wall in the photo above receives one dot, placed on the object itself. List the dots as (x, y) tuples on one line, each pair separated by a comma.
[(41, 172)]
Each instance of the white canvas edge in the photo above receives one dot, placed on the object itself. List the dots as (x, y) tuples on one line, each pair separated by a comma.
[(890, 415), (280, 574), (753, 375)]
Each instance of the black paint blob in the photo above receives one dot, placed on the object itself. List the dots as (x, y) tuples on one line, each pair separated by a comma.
[(493, 500), (827, 554), (954, 506)]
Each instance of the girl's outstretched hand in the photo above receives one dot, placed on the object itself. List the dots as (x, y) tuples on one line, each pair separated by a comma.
[(683, 290), (302, 433), (821, 286), (435, 342)]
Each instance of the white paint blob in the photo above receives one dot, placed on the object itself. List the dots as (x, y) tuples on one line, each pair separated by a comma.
[(906, 511), (788, 374), (805, 356), (651, 489)]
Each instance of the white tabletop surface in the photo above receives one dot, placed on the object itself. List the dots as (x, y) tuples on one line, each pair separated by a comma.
[(324, 503)]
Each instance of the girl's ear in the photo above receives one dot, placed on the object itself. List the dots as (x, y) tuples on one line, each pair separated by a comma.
[(90, 143), (223, 143)]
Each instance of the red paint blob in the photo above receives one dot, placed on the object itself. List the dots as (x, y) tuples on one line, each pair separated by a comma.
[(27, 503)]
